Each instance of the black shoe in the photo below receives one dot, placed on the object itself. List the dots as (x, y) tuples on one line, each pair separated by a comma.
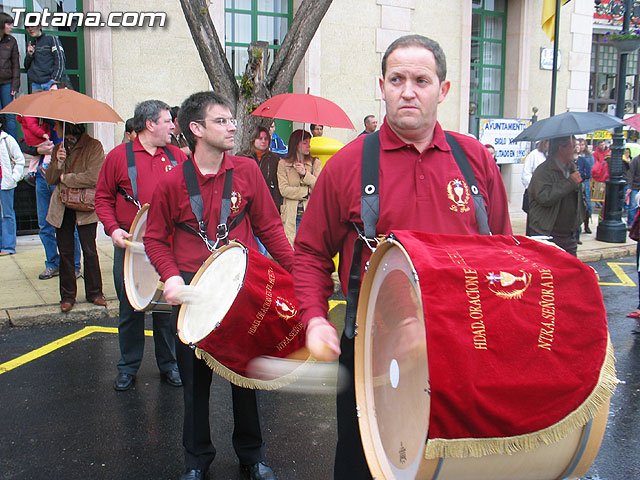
[(194, 474), (172, 377), (257, 471), (124, 381)]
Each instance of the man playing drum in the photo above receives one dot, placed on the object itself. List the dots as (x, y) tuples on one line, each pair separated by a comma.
[(151, 149), (207, 123), (421, 188)]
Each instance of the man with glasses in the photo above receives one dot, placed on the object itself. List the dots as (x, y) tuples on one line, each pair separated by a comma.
[(206, 121), (153, 157)]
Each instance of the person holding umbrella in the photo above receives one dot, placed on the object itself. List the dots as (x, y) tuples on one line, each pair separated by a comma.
[(556, 206), (75, 165)]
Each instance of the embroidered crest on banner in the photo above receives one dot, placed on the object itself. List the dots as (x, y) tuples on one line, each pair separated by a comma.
[(458, 193), (507, 285), (236, 201), (285, 308)]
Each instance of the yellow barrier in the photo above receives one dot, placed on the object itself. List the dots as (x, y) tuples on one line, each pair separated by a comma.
[(324, 148)]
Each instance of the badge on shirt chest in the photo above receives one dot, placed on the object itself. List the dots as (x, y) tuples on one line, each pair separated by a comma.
[(458, 193), (236, 201), (167, 166)]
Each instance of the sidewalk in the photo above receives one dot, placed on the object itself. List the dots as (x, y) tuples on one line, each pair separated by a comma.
[(26, 300)]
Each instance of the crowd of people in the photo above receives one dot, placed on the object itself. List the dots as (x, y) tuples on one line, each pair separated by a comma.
[(283, 205)]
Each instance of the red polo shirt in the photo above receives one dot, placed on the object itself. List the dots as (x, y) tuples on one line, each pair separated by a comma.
[(418, 191), (112, 209), (170, 206)]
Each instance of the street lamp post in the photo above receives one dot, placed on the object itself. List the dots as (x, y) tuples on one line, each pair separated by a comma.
[(611, 229)]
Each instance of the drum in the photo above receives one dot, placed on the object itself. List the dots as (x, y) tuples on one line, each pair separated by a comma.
[(444, 323), (141, 281), (241, 307)]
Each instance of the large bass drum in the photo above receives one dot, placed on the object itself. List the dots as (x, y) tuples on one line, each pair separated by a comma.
[(394, 377)]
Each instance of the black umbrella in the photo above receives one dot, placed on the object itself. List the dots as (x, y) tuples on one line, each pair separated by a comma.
[(566, 124)]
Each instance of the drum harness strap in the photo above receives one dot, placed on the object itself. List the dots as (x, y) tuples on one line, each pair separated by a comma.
[(197, 207), (370, 212), (133, 174)]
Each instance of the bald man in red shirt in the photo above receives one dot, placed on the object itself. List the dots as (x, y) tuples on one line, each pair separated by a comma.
[(416, 170)]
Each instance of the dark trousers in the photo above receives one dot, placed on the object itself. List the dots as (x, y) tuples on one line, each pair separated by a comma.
[(131, 328), (568, 243), (66, 246), (350, 463), (196, 376)]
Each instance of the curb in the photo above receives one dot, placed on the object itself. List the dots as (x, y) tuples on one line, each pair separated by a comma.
[(49, 314), (607, 253)]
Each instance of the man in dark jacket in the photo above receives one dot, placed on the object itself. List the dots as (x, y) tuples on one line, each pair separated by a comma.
[(556, 206), (45, 61), (9, 69)]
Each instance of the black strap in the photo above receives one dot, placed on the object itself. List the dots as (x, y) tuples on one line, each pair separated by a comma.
[(482, 218), (369, 213), (131, 169), (197, 204), (133, 172), (172, 159), (370, 198)]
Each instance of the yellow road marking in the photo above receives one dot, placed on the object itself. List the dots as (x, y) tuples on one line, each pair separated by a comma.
[(625, 280), (334, 303), (42, 351), (46, 349)]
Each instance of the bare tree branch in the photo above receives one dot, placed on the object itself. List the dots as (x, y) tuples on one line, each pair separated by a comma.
[(204, 34), (301, 31)]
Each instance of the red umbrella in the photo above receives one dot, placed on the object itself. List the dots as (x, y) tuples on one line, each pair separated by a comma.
[(633, 122), (305, 108)]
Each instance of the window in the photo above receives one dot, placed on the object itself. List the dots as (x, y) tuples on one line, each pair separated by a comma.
[(247, 21), (488, 38), (604, 70), (72, 38)]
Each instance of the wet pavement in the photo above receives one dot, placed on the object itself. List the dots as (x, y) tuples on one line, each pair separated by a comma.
[(61, 418)]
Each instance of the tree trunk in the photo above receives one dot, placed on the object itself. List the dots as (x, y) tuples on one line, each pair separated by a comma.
[(257, 84)]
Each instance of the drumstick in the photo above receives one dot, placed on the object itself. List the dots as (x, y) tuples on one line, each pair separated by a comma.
[(136, 247), (313, 377), (193, 295)]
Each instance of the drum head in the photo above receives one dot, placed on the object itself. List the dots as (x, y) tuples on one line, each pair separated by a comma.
[(392, 376), (140, 277), (219, 280)]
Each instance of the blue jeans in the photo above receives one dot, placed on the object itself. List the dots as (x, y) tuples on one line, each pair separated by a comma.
[(41, 86), (633, 206), (47, 231), (8, 221), (9, 119)]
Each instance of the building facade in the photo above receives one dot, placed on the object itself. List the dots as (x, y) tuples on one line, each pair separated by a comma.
[(496, 52)]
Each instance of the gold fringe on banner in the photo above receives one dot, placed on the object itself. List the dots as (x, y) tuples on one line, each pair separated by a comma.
[(479, 447), (246, 382)]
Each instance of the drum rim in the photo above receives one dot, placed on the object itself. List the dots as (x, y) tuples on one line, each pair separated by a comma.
[(380, 466), (194, 281), (130, 291)]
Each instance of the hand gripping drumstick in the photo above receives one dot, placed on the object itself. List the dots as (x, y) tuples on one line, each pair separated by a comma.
[(313, 377), (136, 247)]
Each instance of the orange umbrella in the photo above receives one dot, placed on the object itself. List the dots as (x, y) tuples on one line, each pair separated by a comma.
[(64, 105)]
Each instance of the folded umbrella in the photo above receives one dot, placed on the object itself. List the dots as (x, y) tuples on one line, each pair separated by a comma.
[(566, 124), (305, 108)]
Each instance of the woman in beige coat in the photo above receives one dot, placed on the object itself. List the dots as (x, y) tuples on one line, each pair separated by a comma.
[(76, 164), (297, 173)]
